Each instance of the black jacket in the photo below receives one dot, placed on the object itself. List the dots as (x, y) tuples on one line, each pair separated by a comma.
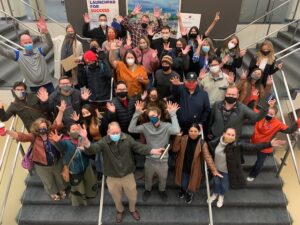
[(158, 44), (233, 159)]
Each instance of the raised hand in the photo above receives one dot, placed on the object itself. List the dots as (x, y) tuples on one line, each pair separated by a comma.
[(62, 107), (175, 81), (144, 95), (150, 31), (186, 50), (178, 14), (139, 107), (277, 142), (243, 52), (137, 9), (75, 117), (154, 54), (172, 107), (217, 17), (99, 115), (111, 107), (202, 73), (157, 12), (1, 105), (119, 42), (167, 46), (42, 26), (42, 94), (120, 18), (199, 40), (54, 137), (226, 59), (85, 93), (230, 78), (86, 18), (280, 66), (244, 74), (83, 132)]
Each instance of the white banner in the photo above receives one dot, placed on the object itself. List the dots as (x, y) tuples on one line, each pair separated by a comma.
[(189, 20), (108, 7)]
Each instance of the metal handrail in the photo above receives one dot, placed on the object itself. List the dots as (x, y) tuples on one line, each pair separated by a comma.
[(272, 33), (10, 180), (286, 49), (287, 136), (3, 43), (254, 21), (13, 43), (2, 5), (288, 54), (19, 21), (101, 201), (53, 20)]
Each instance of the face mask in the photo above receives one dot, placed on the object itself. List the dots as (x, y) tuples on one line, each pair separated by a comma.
[(268, 117), (122, 94), (230, 100), (190, 86), (165, 37), (265, 53), (28, 47), (66, 88), (205, 49), (153, 119), (88, 119), (43, 131), (231, 45), (70, 35), (103, 23), (254, 77), (214, 69), (178, 49), (153, 98), (94, 49), (193, 35), (92, 66), (20, 94), (74, 135), (144, 25), (165, 68), (143, 46), (228, 139), (130, 61), (111, 36), (115, 137)]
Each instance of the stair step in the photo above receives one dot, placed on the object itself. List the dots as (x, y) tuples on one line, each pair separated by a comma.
[(6, 27)]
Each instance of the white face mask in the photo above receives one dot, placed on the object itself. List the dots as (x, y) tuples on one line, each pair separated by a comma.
[(165, 37), (130, 61), (231, 45), (214, 69), (103, 23)]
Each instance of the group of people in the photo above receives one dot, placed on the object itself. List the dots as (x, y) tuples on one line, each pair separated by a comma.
[(133, 94)]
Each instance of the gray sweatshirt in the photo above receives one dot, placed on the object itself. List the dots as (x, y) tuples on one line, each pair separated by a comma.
[(156, 137), (33, 67), (220, 157)]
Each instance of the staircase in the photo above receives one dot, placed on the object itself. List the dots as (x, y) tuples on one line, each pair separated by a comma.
[(10, 72)]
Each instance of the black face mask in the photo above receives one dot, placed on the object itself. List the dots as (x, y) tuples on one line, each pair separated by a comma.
[(230, 100), (122, 94), (88, 119), (101, 55), (43, 131), (193, 35), (268, 117), (94, 49), (265, 53), (93, 66), (165, 68), (178, 49), (144, 25)]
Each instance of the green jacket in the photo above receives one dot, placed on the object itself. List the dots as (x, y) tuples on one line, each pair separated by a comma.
[(118, 157)]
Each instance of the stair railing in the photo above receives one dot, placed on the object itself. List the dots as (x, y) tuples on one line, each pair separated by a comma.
[(2, 5), (3, 206), (13, 43), (53, 20), (288, 54), (286, 49), (101, 201), (211, 221), (254, 21)]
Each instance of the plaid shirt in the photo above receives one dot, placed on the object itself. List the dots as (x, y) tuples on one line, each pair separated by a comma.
[(136, 31)]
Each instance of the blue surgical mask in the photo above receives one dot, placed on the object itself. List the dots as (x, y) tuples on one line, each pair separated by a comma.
[(115, 137), (28, 47), (205, 49), (153, 119)]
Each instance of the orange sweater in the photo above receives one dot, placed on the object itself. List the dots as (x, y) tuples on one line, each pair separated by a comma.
[(131, 78)]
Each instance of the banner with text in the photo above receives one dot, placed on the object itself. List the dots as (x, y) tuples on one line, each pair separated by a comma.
[(189, 20)]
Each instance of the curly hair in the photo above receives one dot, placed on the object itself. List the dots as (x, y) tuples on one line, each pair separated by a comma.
[(34, 129)]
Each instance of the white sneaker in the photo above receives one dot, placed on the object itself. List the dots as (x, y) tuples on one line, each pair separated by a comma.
[(220, 201), (212, 198), (250, 179)]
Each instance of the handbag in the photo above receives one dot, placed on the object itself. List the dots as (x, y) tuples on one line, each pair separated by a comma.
[(27, 162), (65, 173)]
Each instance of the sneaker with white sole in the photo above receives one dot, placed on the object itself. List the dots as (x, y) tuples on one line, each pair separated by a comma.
[(212, 198), (250, 179), (220, 201)]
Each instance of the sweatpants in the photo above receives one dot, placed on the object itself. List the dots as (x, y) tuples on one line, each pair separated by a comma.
[(156, 167)]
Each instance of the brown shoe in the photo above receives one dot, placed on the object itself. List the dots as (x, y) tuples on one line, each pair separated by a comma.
[(119, 217), (135, 215)]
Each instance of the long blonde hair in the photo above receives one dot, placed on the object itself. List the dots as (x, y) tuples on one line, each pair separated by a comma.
[(34, 129), (271, 56)]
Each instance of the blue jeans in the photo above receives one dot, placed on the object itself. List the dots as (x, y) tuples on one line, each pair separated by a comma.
[(261, 157), (221, 184), (185, 179)]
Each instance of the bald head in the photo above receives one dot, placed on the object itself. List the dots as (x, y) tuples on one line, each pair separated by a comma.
[(25, 39), (113, 128)]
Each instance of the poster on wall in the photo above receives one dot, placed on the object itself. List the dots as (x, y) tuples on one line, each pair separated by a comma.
[(189, 20), (168, 9), (108, 7)]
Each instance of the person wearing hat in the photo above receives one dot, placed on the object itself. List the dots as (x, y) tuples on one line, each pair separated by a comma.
[(162, 77), (193, 101)]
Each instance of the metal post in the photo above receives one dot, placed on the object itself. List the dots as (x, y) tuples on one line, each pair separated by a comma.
[(2, 5), (296, 9), (101, 201), (294, 34), (270, 19)]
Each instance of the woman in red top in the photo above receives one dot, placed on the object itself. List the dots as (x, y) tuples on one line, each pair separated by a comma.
[(264, 131)]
